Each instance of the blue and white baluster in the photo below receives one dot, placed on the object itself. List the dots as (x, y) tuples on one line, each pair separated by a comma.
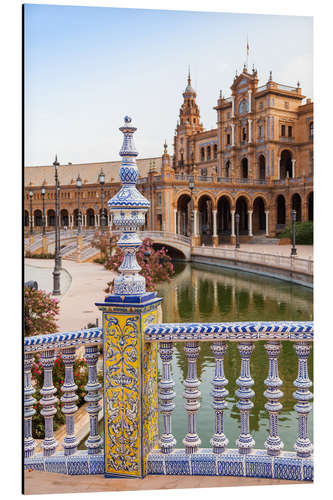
[(191, 394), (69, 398), (29, 401), (303, 445), (273, 443), (94, 441), (48, 402), (166, 395), (219, 441), (245, 441)]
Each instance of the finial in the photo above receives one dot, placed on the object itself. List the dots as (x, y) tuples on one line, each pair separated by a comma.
[(245, 68), (270, 76), (56, 163), (128, 207), (189, 75), (165, 147), (220, 94), (253, 69), (298, 84), (236, 73)]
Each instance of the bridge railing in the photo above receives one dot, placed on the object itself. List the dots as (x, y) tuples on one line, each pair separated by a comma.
[(244, 460), (290, 263), (165, 235)]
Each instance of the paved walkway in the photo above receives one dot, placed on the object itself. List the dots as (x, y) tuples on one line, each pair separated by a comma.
[(303, 251), (77, 304), (37, 482)]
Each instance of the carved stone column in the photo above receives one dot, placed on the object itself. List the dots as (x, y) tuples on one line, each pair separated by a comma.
[(166, 395), (219, 393), (267, 223), (191, 394), (29, 411), (303, 445), (245, 442), (249, 214), (232, 223), (48, 403), (273, 443), (94, 441), (69, 399)]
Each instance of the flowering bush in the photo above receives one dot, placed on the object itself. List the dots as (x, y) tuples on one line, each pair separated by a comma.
[(40, 312), (105, 244), (80, 379), (155, 265)]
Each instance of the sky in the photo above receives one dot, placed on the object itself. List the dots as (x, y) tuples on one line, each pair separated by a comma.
[(85, 68)]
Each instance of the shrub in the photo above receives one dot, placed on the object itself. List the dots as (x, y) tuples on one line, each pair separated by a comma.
[(30, 255), (156, 265), (40, 312), (303, 233)]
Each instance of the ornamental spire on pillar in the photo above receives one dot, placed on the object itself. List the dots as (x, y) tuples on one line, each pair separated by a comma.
[(129, 207)]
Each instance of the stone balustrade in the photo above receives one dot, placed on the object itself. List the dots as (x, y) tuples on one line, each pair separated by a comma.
[(244, 460)]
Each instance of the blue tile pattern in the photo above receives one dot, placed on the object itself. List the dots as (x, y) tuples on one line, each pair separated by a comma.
[(63, 339), (287, 330)]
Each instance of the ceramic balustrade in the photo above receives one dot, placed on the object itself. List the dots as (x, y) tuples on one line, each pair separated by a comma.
[(245, 334)]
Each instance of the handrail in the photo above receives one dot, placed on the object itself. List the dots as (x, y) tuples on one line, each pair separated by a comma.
[(254, 331), (38, 343)]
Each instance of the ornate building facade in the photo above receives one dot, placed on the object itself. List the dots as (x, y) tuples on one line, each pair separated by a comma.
[(257, 162)]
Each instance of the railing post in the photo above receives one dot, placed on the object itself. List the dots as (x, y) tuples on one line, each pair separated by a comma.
[(166, 396), (303, 445), (69, 399), (130, 363), (94, 441), (191, 394), (245, 441), (273, 443), (48, 403), (29, 401), (219, 441)]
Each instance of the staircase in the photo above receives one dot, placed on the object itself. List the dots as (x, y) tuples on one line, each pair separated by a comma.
[(259, 239)]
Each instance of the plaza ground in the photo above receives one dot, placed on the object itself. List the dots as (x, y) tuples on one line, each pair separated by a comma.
[(37, 482)]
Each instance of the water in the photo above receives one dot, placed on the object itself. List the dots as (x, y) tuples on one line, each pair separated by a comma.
[(209, 294)]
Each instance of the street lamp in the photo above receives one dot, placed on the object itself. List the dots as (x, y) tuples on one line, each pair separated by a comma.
[(31, 195), (78, 185), (57, 257), (102, 181), (43, 198), (191, 186), (237, 230), (293, 233)]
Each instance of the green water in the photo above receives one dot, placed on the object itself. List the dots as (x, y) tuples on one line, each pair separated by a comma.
[(208, 294)]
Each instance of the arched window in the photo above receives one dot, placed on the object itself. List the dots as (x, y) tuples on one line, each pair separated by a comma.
[(311, 130), (215, 151), (208, 153), (243, 107), (243, 134), (227, 169), (202, 154)]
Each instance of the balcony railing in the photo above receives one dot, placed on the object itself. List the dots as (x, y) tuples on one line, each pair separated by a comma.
[(205, 178), (224, 179), (220, 459)]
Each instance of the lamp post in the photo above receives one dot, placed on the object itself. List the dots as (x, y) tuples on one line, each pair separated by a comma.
[(191, 186), (43, 198), (57, 257), (293, 233), (237, 230), (31, 228), (102, 181), (78, 185)]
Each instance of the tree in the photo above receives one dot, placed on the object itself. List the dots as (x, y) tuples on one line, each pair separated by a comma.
[(40, 312)]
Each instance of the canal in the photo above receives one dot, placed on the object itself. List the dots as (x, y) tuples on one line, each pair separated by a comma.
[(203, 293)]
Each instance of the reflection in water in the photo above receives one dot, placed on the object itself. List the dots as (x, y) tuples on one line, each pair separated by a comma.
[(206, 294)]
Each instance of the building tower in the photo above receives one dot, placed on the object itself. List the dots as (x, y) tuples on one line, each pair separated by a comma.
[(187, 125)]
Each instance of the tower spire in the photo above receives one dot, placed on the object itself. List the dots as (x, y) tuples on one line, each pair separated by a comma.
[(189, 75)]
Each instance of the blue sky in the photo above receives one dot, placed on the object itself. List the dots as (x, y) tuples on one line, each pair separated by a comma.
[(86, 67)]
